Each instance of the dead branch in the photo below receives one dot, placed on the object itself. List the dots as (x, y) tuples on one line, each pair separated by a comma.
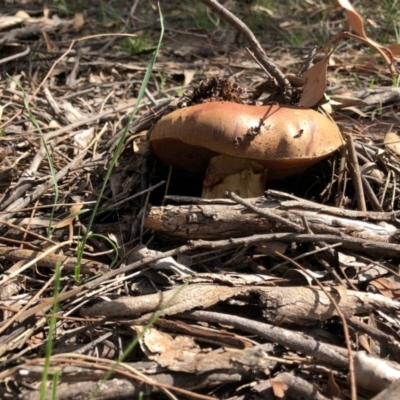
[(229, 220), (255, 46), (300, 305), (293, 340), (69, 263), (355, 173)]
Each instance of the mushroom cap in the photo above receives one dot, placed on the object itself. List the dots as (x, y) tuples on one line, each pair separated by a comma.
[(289, 138)]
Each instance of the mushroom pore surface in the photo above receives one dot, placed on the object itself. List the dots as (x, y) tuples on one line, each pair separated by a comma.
[(285, 139)]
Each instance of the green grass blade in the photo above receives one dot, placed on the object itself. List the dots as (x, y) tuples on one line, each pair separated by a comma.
[(119, 147), (52, 329)]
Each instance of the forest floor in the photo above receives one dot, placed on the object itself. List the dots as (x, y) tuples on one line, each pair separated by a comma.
[(118, 281)]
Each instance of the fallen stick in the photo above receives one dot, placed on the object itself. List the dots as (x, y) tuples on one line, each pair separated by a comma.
[(217, 220)]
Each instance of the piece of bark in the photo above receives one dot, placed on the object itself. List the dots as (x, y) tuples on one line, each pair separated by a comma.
[(306, 305)]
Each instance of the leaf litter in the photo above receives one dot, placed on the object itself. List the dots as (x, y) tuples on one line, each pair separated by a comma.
[(253, 298)]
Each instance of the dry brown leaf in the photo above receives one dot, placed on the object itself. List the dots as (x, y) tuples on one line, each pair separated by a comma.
[(279, 388), (363, 342), (53, 124), (354, 19), (356, 24), (374, 345), (314, 83), (387, 288), (82, 140), (79, 21), (340, 101), (332, 389), (342, 291), (155, 342), (395, 49), (181, 353), (68, 221), (392, 142)]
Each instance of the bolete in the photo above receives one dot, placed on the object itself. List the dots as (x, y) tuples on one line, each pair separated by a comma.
[(278, 140)]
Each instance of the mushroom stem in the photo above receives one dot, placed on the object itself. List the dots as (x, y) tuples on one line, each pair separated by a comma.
[(244, 177)]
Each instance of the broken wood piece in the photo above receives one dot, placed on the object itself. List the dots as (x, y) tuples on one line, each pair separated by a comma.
[(216, 221), (175, 300), (298, 305)]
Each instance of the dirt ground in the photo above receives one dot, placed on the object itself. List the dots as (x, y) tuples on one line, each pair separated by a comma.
[(118, 281)]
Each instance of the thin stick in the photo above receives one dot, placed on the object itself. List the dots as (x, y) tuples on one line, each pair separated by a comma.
[(356, 173), (341, 316), (373, 200), (15, 56), (264, 213), (359, 244), (254, 45), (293, 340)]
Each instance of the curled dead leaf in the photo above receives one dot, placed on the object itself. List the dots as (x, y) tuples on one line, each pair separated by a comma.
[(354, 19), (387, 288), (332, 389), (314, 83), (395, 49), (356, 24)]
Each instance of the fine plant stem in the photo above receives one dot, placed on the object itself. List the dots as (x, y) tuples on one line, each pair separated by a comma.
[(50, 338), (118, 150), (113, 245), (56, 378)]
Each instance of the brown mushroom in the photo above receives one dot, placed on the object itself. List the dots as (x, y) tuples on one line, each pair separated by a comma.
[(283, 139)]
